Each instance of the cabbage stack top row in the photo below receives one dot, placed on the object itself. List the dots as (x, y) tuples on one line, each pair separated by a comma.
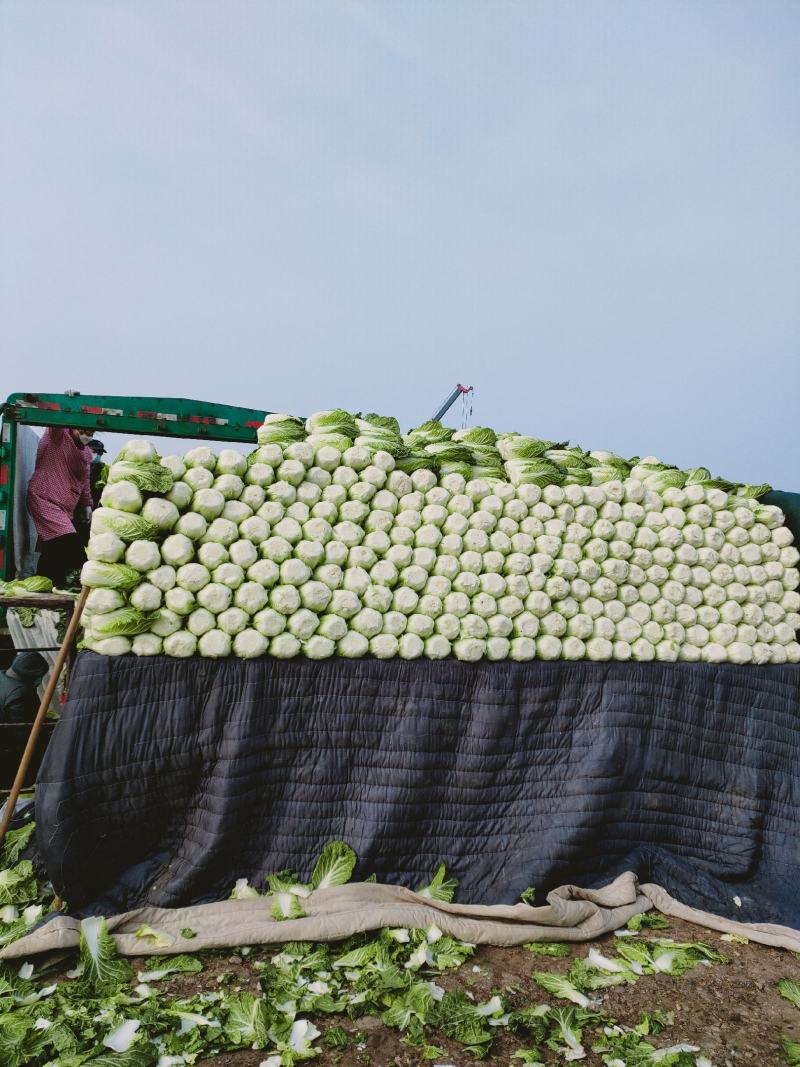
[(339, 536)]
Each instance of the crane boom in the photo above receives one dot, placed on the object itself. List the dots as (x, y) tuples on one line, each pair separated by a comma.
[(459, 390)]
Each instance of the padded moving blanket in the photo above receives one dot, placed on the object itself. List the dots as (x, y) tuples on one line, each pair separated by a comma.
[(166, 780)]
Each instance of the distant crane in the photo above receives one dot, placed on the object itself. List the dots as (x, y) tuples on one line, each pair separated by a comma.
[(460, 390)]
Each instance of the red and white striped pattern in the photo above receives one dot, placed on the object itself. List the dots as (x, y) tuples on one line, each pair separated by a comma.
[(59, 483)]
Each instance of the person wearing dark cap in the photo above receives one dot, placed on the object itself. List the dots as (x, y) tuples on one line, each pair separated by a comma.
[(96, 469), (19, 700)]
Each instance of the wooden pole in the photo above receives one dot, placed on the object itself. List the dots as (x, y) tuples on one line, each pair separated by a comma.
[(27, 755)]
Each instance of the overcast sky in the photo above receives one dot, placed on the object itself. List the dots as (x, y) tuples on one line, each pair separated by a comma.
[(589, 211)]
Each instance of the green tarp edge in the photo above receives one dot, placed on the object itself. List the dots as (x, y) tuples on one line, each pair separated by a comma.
[(789, 503)]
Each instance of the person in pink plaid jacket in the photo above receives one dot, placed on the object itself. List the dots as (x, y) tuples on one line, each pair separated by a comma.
[(59, 485)]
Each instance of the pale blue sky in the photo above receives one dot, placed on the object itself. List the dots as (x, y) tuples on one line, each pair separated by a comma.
[(589, 211)]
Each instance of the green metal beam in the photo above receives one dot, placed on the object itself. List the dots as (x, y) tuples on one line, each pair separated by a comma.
[(162, 416)]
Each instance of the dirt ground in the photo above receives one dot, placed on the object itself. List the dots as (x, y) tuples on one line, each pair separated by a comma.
[(733, 1013)]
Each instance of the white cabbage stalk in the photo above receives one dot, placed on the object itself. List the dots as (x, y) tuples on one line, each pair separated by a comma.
[(269, 622), (294, 572), (470, 649), (214, 597), (123, 495), (411, 646), (175, 465), (145, 597), (378, 597), (384, 646), (181, 644), (121, 1039), (243, 553), (353, 645), (319, 647), (236, 511), (332, 627), (179, 600), (230, 486), (106, 547), (221, 530), (143, 556), (192, 525), (200, 621), (249, 644), (284, 646), (108, 646), (176, 550), (166, 623), (230, 462), (603, 963), (192, 576), (198, 478), (208, 503), (202, 456), (180, 495), (100, 601), (214, 644), (422, 625), (250, 597), (437, 647), (146, 645), (161, 512), (548, 647), (212, 555), (260, 475), (232, 620), (573, 648), (523, 649), (367, 622), (230, 574), (497, 648)]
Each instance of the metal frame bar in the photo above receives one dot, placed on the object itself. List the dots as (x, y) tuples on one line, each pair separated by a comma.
[(163, 416), (459, 390), (8, 467)]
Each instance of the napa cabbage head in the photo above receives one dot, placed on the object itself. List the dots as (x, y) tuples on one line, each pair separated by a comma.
[(126, 526), (105, 547), (280, 429), (202, 456), (122, 496), (162, 513), (98, 575), (138, 451), (150, 477), (124, 622)]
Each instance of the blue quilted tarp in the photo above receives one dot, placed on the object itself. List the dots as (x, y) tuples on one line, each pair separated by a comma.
[(168, 779)]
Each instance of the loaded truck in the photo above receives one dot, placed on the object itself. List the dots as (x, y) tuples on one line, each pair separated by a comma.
[(204, 743)]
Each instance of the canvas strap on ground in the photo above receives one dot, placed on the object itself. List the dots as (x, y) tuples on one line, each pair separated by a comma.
[(571, 914)]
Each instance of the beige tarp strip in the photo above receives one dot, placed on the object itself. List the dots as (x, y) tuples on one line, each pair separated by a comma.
[(765, 933), (571, 914)]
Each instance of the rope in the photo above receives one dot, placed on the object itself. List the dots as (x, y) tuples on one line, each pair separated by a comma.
[(466, 408)]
